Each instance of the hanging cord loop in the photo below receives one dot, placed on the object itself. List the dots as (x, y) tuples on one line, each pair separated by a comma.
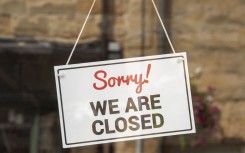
[(163, 26), (74, 47), (159, 17)]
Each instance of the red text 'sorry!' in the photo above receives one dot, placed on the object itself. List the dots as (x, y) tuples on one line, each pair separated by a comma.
[(103, 80)]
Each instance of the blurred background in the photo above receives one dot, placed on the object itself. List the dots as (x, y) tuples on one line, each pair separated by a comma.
[(37, 35)]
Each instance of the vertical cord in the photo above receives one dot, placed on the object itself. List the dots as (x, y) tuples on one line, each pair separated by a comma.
[(74, 47), (159, 17)]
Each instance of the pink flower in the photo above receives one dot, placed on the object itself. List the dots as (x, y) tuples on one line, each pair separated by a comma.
[(197, 98), (211, 89), (201, 118), (214, 109)]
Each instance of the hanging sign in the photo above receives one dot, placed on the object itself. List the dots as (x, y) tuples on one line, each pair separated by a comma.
[(121, 100)]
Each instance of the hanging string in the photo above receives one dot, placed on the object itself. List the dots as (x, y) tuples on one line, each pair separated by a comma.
[(166, 33), (159, 17), (74, 47)]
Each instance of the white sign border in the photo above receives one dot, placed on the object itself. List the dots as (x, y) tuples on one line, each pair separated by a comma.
[(178, 56)]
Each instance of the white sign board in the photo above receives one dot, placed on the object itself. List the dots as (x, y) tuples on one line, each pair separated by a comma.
[(121, 100)]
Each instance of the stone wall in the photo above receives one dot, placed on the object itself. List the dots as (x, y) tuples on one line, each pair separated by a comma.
[(212, 32), (59, 20)]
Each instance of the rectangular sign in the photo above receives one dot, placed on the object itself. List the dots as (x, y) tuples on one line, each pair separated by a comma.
[(127, 99)]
